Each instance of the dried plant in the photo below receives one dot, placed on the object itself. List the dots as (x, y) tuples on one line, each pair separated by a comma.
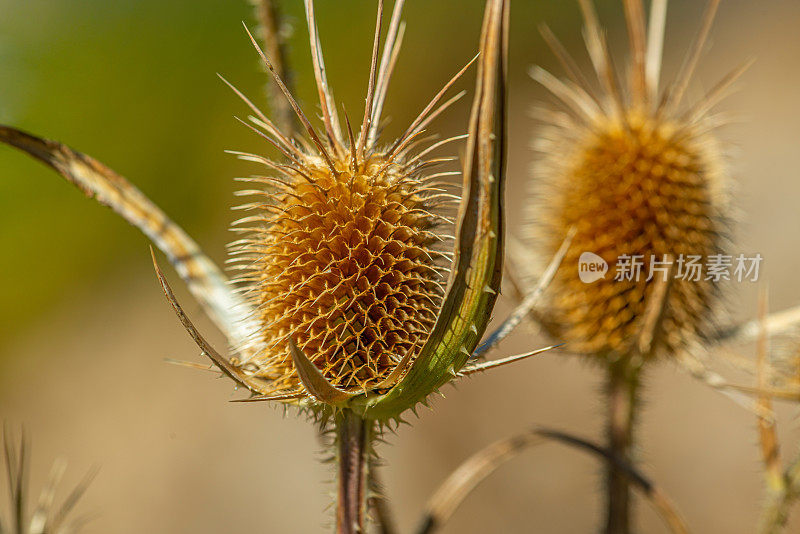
[(348, 307), (636, 174), (47, 517), (632, 172)]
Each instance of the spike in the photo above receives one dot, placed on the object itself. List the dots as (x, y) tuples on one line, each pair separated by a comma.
[(675, 95), (391, 50), (207, 349), (370, 101), (299, 112), (485, 366), (655, 46), (326, 101)]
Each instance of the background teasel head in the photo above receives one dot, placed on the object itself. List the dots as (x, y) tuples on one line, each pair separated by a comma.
[(636, 173)]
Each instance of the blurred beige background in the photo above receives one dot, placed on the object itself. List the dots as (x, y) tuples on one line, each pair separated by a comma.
[(85, 328)]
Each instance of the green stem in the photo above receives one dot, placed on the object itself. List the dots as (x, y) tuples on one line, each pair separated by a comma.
[(353, 442), (623, 382)]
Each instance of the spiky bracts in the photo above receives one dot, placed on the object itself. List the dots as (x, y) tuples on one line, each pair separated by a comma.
[(343, 257), (641, 181)]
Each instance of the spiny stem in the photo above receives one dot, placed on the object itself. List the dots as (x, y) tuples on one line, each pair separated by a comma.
[(623, 382), (353, 441)]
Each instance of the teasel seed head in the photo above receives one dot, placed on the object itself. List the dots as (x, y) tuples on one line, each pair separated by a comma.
[(635, 174), (342, 256), (345, 262)]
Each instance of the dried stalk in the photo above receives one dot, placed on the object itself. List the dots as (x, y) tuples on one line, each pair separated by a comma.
[(623, 383), (780, 490), (623, 386), (767, 428), (353, 440)]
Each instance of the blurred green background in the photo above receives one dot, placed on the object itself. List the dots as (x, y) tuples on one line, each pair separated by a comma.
[(84, 329)]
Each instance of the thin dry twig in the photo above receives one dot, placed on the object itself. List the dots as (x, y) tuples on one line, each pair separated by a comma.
[(272, 32), (449, 496)]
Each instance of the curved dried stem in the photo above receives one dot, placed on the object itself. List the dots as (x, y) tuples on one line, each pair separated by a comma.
[(205, 280), (657, 498), (452, 493)]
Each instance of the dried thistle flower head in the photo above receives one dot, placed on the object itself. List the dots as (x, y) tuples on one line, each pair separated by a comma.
[(637, 176), (342, 262), (342, 256)]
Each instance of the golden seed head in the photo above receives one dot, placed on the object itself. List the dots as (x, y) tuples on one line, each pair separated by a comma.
[(636, 190), (638, 179), (344, 264)]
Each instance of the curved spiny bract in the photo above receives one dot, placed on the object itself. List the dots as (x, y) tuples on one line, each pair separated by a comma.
[(477, 270), (638, 177)]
